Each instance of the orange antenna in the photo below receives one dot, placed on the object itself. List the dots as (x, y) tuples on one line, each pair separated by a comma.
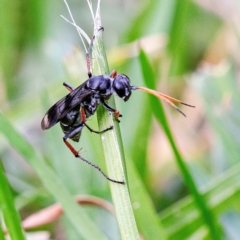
[(165, 98)]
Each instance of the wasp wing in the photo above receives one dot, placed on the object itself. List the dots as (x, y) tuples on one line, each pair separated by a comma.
[(63, 106)]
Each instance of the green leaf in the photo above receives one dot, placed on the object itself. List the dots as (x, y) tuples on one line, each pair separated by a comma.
[(182, 218), (143, 207), (75, 214), (10, 214), (21, 23), (189, 37), (158, 111), (113, 152), (2, 237), (139, 153)]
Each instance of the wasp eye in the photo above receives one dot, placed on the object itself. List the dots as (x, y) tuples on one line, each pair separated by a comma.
[(121, 86)]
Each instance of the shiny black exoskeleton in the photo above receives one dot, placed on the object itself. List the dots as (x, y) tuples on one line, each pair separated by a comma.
[(103, 87), (96, 90), (73, 110)]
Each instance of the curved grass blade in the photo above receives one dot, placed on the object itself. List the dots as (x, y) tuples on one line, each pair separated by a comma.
[(114, 154), (2, 237), (143, 208), (158, 111), (75, 214), (112, 145), (10, 214)]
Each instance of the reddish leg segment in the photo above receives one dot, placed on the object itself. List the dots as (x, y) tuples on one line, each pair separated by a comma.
[(114, 111), (76, 153), (79, 128)]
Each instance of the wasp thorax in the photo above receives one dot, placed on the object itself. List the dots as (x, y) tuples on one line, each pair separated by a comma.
[(121, 86), (100, 84)]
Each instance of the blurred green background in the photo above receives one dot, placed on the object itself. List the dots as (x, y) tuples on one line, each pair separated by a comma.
[(193, 47)]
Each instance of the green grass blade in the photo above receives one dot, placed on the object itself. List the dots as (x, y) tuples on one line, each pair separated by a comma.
[(17, 31), (143, 207), (7, 207), (158, 111), (75, 214), (189, 38), (2, 237), (222, 194), (114, 154), (141, 137), (138, 174)]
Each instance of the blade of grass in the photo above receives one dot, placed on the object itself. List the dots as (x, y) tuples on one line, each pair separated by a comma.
[(2, 237), (113, 147), (114, 156), (143, 207), (75, 214), (16, 32), (222, 193), (187, 219), (177, 34), (188, 28), (145, 20), (158, 111), (138, 153), (8, 209)]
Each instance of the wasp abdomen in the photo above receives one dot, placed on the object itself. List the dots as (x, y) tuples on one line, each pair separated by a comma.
[(70, 121)]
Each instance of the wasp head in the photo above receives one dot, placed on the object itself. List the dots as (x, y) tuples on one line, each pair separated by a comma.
[(121, 86)]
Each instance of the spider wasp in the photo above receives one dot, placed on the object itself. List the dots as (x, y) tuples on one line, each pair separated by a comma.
[(73, 110)]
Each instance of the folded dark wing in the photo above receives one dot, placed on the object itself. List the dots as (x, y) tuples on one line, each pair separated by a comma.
[(63, 106)]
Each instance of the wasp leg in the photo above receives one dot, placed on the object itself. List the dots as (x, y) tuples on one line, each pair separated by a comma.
[(68, 86), (83, 114), (71, 134), (98, 132), (84, 119), (76, 154), (88, 59), (116, 112)]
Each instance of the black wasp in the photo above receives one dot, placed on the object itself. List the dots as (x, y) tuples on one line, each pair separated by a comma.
[(73, 110)]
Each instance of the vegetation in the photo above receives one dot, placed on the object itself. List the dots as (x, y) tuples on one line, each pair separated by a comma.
[(183, 173)]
